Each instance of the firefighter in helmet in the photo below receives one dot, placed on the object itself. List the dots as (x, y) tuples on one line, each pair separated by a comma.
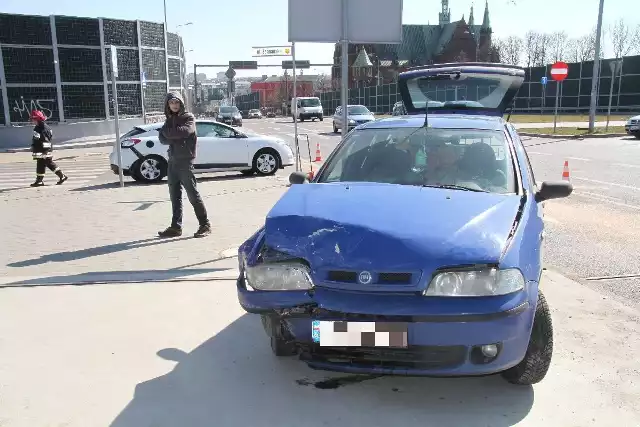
[(42, 150)]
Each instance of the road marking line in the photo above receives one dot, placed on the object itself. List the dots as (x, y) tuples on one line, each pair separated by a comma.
[(579, 158), (626, 165), (630, 187), (539, 153), (602, 198)]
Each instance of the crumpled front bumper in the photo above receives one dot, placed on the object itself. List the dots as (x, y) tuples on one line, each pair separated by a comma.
[(444, 334)]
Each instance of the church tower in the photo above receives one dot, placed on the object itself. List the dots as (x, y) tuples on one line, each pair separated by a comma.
[(445, 14)]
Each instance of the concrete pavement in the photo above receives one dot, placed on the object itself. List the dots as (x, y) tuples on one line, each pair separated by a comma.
[(185, 354)]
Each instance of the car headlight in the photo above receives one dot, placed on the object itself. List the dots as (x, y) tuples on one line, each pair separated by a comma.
[(279, 277), (475, 283), (352, 122)]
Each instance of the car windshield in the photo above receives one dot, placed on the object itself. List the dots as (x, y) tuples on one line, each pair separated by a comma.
[(355, 110), (254, 111), (228, 110), (464, 159), (311, 102)]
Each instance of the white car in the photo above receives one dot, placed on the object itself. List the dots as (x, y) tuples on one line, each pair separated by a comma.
[(221, 148), (632, 127), (254, 114)]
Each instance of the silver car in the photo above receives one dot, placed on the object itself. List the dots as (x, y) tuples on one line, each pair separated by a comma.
[(356, 115)]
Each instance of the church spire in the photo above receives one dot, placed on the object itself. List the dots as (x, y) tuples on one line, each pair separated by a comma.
[(445, 14), (486, 24), (471, 22)]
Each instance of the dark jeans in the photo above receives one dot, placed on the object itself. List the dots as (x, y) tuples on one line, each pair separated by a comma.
[(181, 175), (42, 164)]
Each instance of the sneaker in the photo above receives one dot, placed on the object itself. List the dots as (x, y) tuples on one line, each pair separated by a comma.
[(170, 232), (62, 179), (203, 230)]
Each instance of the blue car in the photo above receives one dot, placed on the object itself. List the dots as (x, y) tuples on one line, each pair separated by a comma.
[(416, 249)]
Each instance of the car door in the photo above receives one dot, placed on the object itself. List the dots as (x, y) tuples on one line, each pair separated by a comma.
[(222, 147)]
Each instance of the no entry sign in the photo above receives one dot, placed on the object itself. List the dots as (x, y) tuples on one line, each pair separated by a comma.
[(559, 71)]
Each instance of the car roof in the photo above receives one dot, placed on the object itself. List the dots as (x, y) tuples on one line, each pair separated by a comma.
[(439, 121)]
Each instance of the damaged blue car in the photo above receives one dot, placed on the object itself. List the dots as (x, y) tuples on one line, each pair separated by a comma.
[(416, 249)]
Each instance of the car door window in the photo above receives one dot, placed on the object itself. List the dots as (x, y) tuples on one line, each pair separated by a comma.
[(204, 130), (224, 132)]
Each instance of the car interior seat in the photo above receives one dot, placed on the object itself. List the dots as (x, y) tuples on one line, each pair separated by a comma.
[(479, 162)]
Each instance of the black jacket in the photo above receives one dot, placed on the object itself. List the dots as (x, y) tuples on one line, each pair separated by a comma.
[(41, 141), (179, 132)]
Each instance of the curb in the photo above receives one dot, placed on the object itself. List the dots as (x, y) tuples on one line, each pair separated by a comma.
[(581, 136), (129, 277), (103, 143)]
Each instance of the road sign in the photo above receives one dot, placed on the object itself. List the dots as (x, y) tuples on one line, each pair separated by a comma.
[(559, 71), (288, 65), (114, 60), (544, 80), (231, 73), (243, 65), (271, 51)]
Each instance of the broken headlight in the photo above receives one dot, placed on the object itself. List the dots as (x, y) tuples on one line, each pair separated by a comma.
[(475, 283), (279, 277)]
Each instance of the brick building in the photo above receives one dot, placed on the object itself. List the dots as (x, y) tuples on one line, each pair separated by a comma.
[(421, 45), (278, 89)]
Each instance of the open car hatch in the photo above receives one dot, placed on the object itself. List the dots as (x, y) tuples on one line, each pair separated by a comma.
[(466, 88)]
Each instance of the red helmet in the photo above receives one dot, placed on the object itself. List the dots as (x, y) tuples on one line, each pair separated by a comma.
[(38, 115)]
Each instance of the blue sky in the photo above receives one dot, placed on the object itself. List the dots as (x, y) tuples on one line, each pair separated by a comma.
[(224, 31)]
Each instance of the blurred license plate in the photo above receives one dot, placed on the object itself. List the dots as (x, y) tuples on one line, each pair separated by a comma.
[(359, 334), (634, 127)]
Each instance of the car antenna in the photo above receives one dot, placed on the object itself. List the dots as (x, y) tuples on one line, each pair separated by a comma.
[(513, 101)]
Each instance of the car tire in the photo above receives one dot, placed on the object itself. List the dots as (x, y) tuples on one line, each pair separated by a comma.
[(247, 172), (150, 169), (321, 118), (272, 159), (335, 128), (280, 347), (533, 368)]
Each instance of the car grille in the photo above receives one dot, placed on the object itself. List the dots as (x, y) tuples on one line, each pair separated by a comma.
[(382, 278), (634, 122), (416, 357)]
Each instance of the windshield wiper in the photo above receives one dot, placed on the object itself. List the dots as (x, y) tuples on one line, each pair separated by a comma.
[(454, 187)]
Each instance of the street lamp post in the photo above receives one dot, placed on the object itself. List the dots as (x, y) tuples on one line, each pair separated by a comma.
[(596, 69)]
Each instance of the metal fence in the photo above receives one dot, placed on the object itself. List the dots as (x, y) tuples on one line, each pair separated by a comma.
[(61, 65), (533, 97)]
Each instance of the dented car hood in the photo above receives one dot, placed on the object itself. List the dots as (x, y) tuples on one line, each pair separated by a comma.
[(390, 227)]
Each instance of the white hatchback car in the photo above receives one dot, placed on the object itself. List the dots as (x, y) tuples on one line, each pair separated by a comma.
[(220, 148)]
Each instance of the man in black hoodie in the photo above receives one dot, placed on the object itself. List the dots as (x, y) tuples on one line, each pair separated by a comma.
[(179, 133)]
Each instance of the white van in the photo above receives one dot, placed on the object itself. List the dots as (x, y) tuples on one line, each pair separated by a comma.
[(308, 107)]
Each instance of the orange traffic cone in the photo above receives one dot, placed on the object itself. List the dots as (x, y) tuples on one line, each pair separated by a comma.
[(565, 171), (318, 154)]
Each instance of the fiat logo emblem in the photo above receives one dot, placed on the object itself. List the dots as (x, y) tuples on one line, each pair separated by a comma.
[(365, 277)]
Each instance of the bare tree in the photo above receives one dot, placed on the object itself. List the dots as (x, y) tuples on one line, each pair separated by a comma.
[(635, 41), (530, 47), (571, 51), (510, 50), (544, 49), (621, 37), (322, 83), (559, 45)]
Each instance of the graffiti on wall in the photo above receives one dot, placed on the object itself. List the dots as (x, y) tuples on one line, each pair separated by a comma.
[(25, 107)]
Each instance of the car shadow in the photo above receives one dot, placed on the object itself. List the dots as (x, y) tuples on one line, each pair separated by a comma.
[(232, 379), (338, 135), (93, 251)]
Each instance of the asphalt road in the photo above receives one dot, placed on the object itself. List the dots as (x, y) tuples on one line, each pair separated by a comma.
[(594, 235)]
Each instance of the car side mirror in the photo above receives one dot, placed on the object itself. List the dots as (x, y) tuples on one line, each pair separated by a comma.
[(297, 178), (553, 190)]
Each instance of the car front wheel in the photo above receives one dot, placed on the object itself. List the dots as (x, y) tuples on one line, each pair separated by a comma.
[(537, 360), (266, 162), (150, 169)]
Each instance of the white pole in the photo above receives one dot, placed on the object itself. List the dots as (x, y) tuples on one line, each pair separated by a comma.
[(294, 107), (117, 126), (596, 69), (344, 93)]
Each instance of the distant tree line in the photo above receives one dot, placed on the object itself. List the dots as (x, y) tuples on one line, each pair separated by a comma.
[(537, 49)]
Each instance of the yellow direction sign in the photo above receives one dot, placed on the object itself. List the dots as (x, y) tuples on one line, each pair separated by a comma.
[(271, 51)]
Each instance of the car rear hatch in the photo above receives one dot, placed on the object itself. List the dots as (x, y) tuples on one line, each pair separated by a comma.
[(464, 88)]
